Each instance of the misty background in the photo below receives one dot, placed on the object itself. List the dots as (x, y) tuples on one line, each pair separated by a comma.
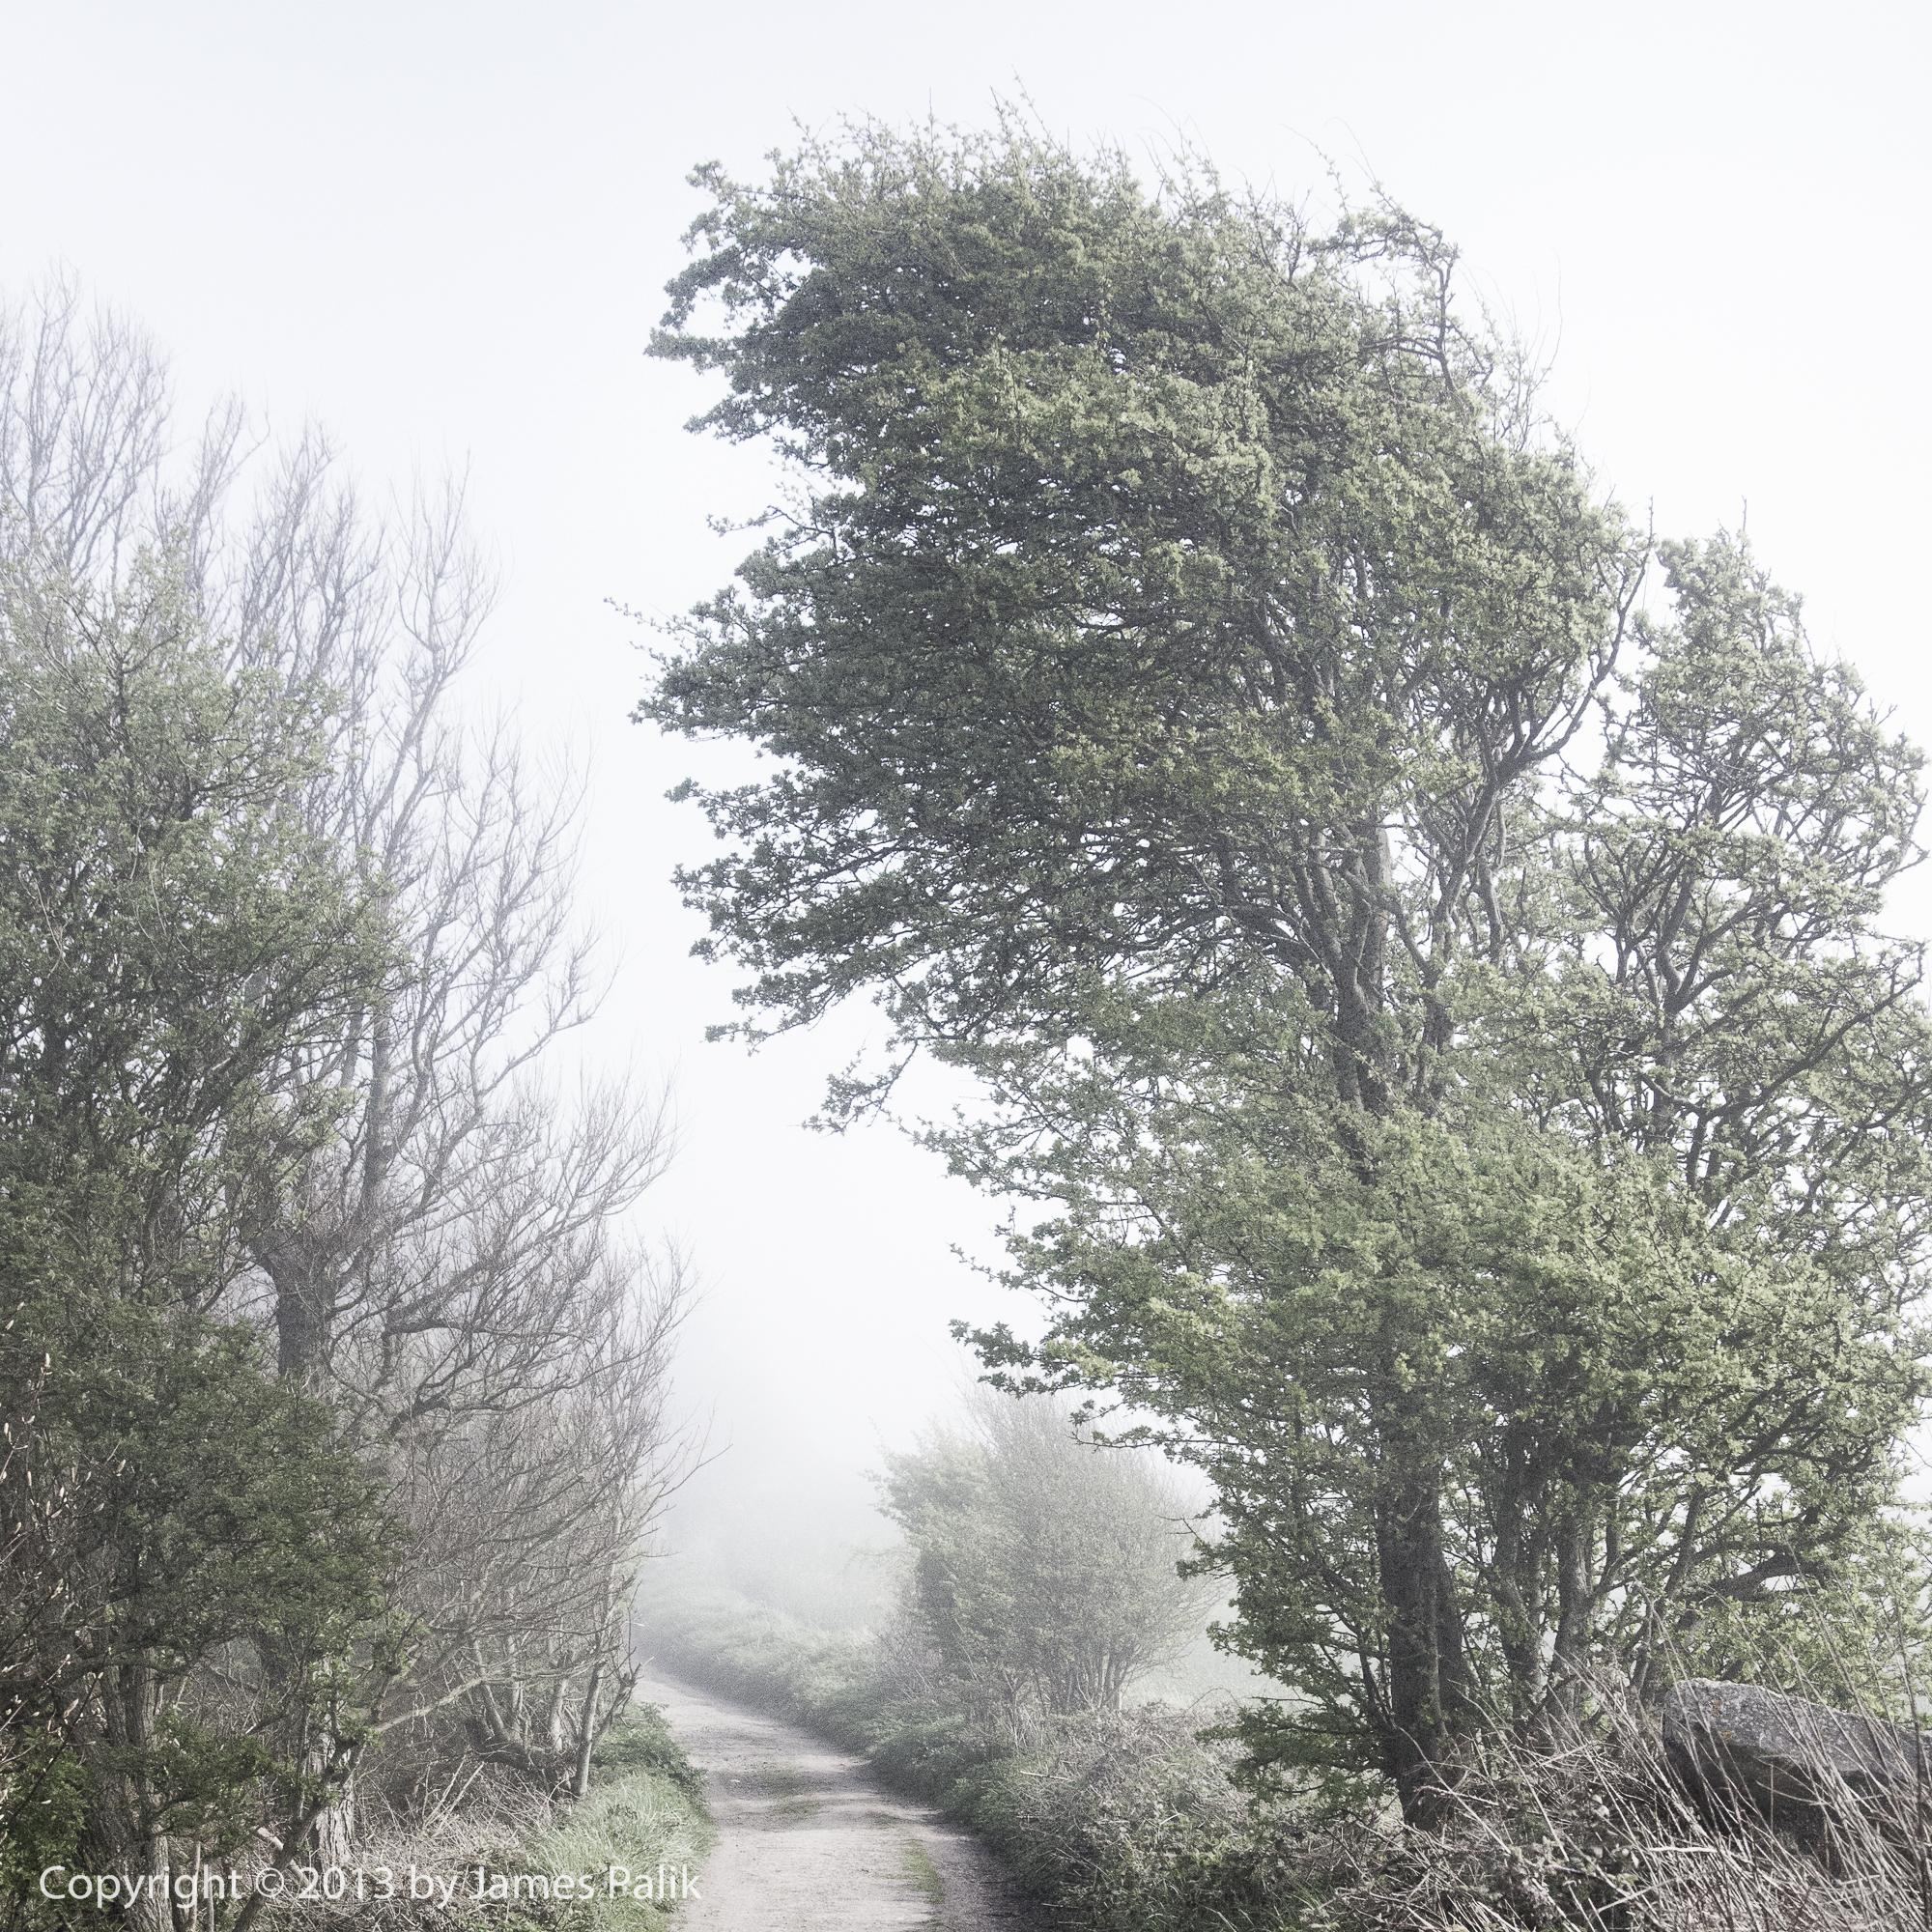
[(444, 230)]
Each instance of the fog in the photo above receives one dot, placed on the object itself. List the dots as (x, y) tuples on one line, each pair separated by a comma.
[(442, 231)]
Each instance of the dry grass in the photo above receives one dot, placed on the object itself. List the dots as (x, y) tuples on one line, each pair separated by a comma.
[(1601, 1838), (486, 1817)]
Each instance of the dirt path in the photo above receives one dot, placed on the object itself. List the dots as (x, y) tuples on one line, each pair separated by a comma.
[(807, 1842)]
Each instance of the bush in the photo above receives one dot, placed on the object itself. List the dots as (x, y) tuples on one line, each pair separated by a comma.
[(1130, 1822), (1045, 1573)]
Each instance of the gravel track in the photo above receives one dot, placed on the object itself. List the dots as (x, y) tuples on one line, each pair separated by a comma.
[(810, 1841)]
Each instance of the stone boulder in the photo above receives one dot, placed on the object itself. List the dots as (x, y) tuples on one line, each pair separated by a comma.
[(1800, 1766)]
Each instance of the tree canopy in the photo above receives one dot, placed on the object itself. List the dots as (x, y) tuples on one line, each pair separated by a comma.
[(1153, 553), (1439, 1002)]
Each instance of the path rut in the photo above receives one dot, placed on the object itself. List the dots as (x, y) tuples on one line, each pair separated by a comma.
[(810, 1841)]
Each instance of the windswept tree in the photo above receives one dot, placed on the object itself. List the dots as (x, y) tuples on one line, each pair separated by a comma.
[(1442, 1010)]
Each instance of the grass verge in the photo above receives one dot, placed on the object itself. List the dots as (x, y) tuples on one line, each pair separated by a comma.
[(644, 1817)]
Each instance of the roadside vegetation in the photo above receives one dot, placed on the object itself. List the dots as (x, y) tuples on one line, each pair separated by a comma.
[(645, 1814), (1104, 1814), (1147, 1818)]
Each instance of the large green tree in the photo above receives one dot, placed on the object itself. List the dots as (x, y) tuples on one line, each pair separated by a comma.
[(1177, 669)]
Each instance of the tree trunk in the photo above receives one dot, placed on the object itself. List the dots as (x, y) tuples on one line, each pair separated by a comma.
[(586, 1734), (1428, 1673), (1570, 1649), (1428, 1682), (121, 1820), (336, 1821)]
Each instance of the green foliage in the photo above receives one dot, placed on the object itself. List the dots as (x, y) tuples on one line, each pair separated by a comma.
[(1440, 1012), (1128, 520), (46, 1813), (174, 1504), (221, 1502), (170, 928), (1584, 1348)]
